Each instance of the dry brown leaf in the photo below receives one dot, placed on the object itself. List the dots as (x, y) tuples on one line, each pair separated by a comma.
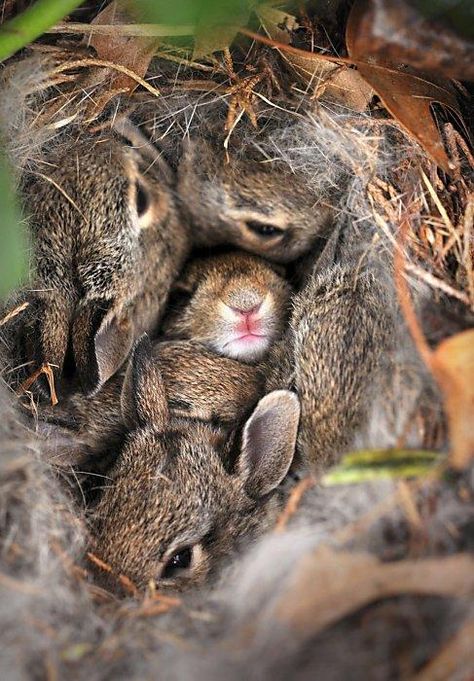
[(310, 66), (336, 82), (400, 33), (132, 52), (407, 94), (453, 365), (328, 585), (347, 87)]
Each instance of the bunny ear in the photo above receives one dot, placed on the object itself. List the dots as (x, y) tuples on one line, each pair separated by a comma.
[(143, 398), (268, 442), (101, 344), (135, 137)]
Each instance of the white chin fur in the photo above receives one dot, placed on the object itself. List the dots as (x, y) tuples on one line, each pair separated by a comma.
[(244, 350)]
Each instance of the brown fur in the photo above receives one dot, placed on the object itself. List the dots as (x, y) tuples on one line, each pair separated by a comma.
[(53, 628), (107, 244), (225, 200), (330, 356), (170, 492), (200, 384), (220, 283), (109, 273), (54, 621)]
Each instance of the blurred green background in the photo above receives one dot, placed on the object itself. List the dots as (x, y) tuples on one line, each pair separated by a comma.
[(13, 259)]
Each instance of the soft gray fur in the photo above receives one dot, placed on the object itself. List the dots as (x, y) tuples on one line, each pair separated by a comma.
[(52, 623)]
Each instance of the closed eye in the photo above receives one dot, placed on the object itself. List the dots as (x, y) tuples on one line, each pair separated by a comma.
[(263, 229)]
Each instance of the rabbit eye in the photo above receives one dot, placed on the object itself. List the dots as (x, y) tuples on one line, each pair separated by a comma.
[(179, 561), (142, 199), (263, 229)]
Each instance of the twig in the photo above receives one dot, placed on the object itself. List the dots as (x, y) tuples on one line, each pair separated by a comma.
[(11, 583), (138, 30), (185, 62), (404, 297), (128, 585), (468, 251), (293, 502), (294, 50), (435, 282), (102, 565), (79, 63), (328, 585), (408, 503), (13, 313), (437, 202), (123, 580), (48, 372), (158, 605)]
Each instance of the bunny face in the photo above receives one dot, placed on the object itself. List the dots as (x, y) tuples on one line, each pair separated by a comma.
[(264, 210), (172, 511), (166, 518), (236, 305), (107, 245)]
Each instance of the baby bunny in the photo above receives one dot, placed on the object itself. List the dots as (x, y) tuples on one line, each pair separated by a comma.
[(331, 356), (171, 510), (349, 357), (262, 208), (107, 244), (234, 303)]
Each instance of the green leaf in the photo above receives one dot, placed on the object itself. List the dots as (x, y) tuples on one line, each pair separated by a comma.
[(13, 262), (216, 21), (369, 465), (30, 24), (76, 652), (218, 25)]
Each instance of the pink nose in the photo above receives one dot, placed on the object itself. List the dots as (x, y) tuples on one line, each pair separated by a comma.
[(248, 312), (248, 323)]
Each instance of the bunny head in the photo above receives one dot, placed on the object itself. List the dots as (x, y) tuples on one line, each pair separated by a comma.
[(172, 511), (107, 244), (234, 303), (260, 207)]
